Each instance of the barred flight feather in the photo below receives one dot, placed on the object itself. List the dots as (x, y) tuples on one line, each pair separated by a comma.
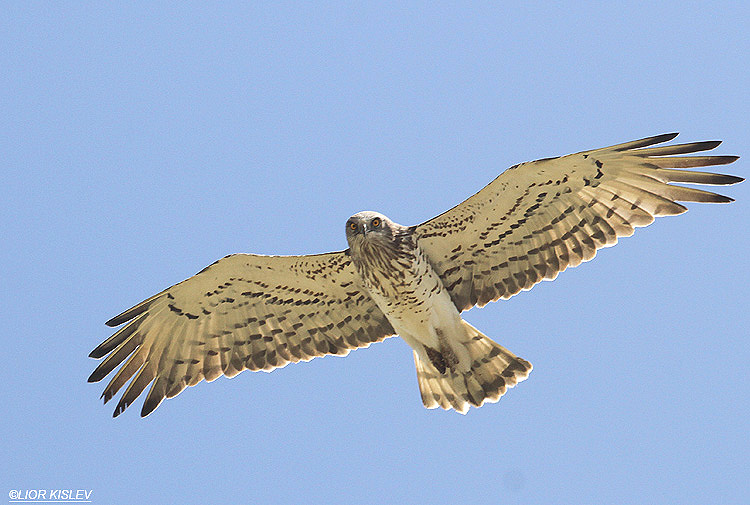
[(571, 206)]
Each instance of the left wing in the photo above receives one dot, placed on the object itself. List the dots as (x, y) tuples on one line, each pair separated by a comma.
[(540, 217), (245, 311)]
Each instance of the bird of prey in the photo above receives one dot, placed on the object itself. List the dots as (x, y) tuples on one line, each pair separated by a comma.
[(536, 219)]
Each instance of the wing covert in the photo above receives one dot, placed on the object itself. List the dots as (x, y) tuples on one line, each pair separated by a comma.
[(244, 311), (538, 218)]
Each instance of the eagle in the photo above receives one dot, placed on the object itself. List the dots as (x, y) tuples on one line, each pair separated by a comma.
[(258, 312)]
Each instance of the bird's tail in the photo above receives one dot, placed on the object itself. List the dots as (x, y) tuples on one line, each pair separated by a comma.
[(493, 370)]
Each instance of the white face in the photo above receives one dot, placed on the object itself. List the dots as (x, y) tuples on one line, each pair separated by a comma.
[(367, 225)]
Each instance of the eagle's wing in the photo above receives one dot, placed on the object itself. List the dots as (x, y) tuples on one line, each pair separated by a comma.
[(538, 218), (243, 311)]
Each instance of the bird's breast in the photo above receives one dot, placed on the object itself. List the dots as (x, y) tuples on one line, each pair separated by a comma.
[(404, 286)]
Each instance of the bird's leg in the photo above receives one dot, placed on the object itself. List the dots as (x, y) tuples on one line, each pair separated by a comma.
[(449, 355), (437, 359), (445, 358)]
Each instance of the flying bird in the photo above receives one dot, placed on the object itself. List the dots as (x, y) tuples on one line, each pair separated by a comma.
[(256, 312)]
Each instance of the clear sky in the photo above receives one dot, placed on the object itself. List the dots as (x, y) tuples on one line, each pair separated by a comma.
[(139, 143)]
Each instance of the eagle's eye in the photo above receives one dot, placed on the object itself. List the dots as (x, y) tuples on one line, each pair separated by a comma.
[(353, 226), (375, 222)]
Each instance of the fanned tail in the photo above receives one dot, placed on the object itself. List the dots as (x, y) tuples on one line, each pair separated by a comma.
[(493, 370)]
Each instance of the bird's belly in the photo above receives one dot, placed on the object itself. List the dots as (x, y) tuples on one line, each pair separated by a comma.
[(418, 306)]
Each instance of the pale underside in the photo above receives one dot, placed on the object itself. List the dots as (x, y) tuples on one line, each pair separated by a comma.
[(535, 220)]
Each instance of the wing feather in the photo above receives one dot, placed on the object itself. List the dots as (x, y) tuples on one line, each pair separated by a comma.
[(242, 312), (645, 142), (119, 337), (538, 218)]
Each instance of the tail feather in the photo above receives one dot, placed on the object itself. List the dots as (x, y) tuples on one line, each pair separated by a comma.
[(493, 370)]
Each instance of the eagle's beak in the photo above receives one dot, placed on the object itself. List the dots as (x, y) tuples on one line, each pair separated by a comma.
[(364, 229)]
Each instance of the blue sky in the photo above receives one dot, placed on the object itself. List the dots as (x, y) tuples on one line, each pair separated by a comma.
[(141, 142)]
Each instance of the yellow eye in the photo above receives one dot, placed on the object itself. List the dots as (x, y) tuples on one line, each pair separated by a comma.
[(353, 226), (375, 222)]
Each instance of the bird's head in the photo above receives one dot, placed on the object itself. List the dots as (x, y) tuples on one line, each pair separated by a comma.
[(369, 227)]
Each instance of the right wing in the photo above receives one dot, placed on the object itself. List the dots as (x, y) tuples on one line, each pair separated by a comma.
[(244, 311)]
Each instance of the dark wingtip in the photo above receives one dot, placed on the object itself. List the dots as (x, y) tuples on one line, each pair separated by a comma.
[(725, 160), (663, 137), (722, 180), (660, 139), (725, 180), (707, 145), (149, 407), (120, 409), (131, 312), (117, 320), (644, 142), (733, 179)]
